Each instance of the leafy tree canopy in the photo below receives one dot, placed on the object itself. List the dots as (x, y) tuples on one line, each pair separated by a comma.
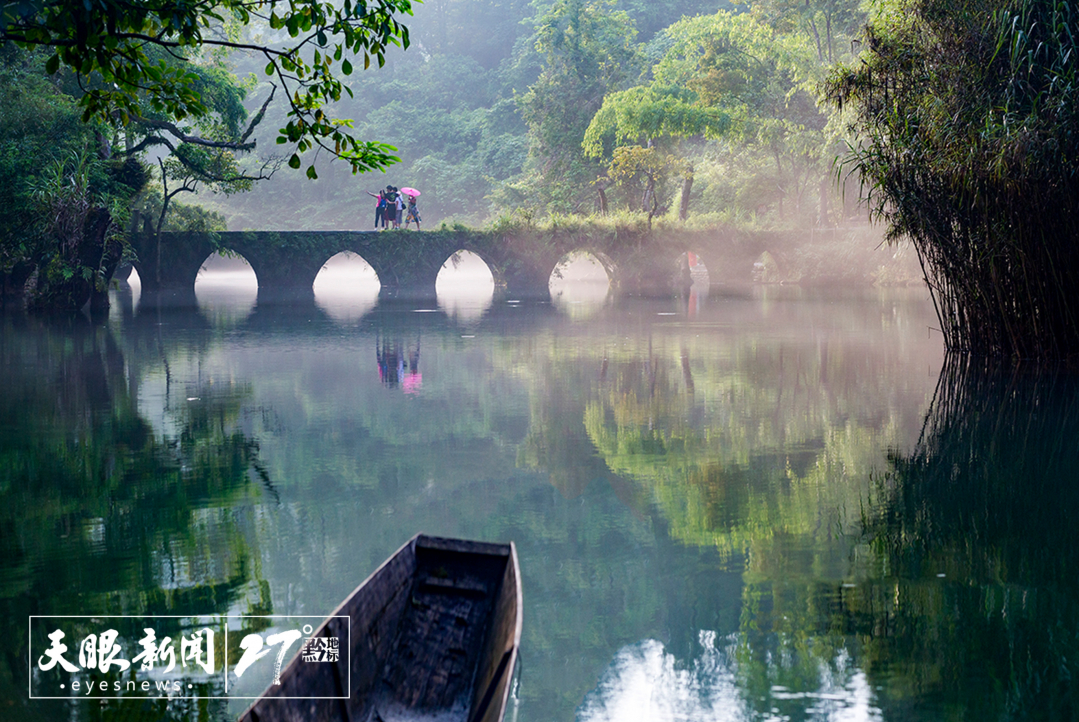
[(110, 46), (588, 49), (735, 59), (728, 72), (652, 111)]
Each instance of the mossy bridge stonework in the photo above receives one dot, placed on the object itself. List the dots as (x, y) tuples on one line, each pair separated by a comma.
[(286, 263)]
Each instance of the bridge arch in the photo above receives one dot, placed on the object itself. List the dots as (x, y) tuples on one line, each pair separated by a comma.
[(766, 269), (465, 286), (584, 265), (226, 268), (694, 270), (498, 276), (346, 267), (581, 282), (226, 288), (346, 287)]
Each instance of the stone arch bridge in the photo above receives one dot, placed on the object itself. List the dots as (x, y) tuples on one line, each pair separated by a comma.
[(408, 262)]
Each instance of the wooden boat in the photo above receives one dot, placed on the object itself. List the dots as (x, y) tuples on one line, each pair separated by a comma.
[(433, 636)]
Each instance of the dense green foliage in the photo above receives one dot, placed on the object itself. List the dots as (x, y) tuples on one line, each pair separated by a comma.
[(75, 189), (36, 121), (112, 47), (968, 110), (727, 95), (64, 203), (149, 83)]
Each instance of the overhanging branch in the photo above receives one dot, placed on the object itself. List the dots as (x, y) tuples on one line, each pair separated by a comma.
[(197, 140)]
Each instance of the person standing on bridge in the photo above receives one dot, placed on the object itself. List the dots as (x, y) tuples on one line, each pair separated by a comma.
[(389, 213), (400, 207), (413, 213), (380, 207)]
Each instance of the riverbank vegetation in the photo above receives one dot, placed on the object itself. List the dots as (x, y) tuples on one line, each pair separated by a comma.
[(967, 111)]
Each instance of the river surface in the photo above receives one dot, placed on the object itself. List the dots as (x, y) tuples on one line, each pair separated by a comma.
[(767, 504)]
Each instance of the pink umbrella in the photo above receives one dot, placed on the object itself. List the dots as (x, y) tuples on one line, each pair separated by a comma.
[(410, 191)]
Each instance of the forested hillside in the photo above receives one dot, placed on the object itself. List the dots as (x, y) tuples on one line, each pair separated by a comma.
[(704, 109)]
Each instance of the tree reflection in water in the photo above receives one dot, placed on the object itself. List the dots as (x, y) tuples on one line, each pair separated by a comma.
[(100, 513), (976, 547), (716, 519), (911, 586)]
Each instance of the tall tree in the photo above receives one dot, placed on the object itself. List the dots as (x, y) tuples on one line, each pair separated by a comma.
[(588, 51), (726, 75), (828, 22)]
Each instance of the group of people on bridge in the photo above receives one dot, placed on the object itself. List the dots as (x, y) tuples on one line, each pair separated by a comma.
[(391, 205)]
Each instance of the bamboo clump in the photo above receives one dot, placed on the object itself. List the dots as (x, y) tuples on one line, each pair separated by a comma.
[(968, 112)]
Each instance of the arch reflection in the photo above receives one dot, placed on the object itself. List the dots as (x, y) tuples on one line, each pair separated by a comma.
[(226, 289), (465, 287), (346, 288), (579, 285)]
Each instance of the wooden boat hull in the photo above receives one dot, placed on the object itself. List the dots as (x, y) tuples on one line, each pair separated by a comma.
[(433, 635)]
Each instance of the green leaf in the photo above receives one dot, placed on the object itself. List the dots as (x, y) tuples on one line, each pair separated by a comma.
[(346, 67), (294, 161), (311, 173), (52, 64)]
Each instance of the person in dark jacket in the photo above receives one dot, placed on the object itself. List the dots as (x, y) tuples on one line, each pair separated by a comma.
[(389, 213)]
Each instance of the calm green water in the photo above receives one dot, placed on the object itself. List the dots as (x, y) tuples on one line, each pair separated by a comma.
[(757, 506)]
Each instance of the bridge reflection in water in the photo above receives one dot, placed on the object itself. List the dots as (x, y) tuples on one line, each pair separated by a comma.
[(226, 290)]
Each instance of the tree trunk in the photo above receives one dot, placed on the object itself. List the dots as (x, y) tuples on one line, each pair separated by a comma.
[(110, 259), (828, 35), (824, 207), (816, 35), (779, 180), (687, 187)]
